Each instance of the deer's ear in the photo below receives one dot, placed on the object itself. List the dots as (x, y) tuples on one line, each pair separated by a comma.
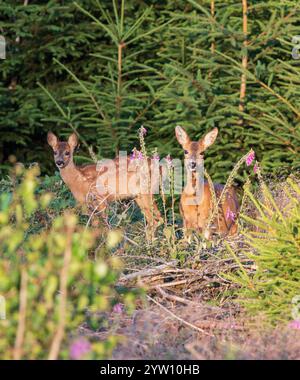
[(182, 136), (52, 140), (209, 138), (73, 140)]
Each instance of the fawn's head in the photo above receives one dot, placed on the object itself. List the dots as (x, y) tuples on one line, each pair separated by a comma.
[(63, 150), (194, 150)]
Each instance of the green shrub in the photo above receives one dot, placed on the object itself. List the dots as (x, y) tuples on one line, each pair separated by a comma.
[(49, 285), (274, 240)]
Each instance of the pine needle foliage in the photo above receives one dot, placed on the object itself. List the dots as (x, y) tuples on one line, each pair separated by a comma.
[(274, 240), (113, 65)]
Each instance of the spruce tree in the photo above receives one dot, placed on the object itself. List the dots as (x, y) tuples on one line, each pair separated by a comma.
[(114, 65)]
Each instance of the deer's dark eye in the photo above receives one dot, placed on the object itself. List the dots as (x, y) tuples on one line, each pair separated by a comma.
[(56, 152), (67, 153), (186, 152)]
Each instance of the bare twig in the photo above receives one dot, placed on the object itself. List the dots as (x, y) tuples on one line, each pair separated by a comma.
[(172, 297), (139, 257), (245, 56), (178, 318), (18, 349), (58, 337), (146, 272)]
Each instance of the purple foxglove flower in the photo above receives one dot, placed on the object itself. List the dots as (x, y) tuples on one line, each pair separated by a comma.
[(143, 130), (132, 155), (250, 158), (118, 308), (230, 215), (140, 155), (79, 348), (294, 324)]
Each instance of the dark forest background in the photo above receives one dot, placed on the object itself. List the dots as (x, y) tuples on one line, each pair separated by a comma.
[(106, 67)]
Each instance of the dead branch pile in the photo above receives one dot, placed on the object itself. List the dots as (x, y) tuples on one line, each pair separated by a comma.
[(207, 279)]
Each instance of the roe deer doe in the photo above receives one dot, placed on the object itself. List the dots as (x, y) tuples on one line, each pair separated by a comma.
[(82, 180), (196, 202)]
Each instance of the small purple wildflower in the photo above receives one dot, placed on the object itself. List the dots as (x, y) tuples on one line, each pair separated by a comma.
[(140, 155), (143, 130), (255, 168), (79, 348), (118, 308), (230, 215), (156, 157), (294, 324), (132, 155), (250, 158)]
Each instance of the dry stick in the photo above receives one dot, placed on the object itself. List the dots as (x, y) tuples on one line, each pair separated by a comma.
[(18, 349), (168, 284), (175, 298), (140, 256), (245, 57), (119, 83), (94, 211), (58, 337), (147, 272), (131, 241), (178, 318)]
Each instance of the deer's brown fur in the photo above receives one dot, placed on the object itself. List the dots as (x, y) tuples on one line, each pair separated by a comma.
[(82, 180), (196, 207)]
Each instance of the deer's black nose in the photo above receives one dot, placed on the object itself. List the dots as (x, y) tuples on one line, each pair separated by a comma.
[(59, 163)]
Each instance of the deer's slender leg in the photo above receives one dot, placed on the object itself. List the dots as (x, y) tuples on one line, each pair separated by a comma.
[(233, 229), (187, 232), (149, 208)]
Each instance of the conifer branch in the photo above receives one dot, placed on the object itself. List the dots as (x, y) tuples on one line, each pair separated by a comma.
[(245, 57)]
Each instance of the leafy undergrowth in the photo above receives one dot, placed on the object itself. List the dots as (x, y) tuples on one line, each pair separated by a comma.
[(190, 308)]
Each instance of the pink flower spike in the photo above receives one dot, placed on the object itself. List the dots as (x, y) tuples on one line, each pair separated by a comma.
[(143, 130), (250, 158), (79, 348), (255, 168), (294, 324), (156, 157), (230, 215), (140, 156), (118, 308), (132, 155)]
